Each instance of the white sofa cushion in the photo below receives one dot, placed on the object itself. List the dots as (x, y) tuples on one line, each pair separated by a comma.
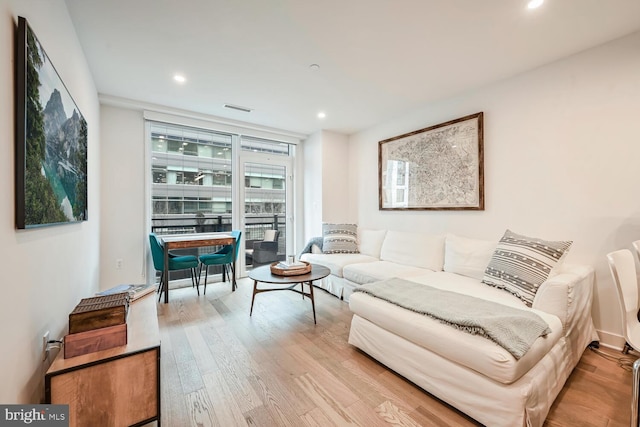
[(472, 351), (336, 262), (468, 257), (415, 249), (370, 241), (380, 270)]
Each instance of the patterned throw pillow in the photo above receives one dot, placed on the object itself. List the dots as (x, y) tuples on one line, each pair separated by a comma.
[(339, 238), (520, 264)]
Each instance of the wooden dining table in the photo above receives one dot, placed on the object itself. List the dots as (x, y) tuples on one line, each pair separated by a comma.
[(193, 240)]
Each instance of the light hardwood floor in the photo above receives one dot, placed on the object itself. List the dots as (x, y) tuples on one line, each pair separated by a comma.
[(220, 367)]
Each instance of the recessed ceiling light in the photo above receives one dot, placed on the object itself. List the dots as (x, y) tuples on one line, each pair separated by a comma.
[(322, 115), (314, 67), (534, 4), (179, 78)]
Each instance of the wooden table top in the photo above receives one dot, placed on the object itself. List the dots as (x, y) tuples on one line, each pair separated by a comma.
[(191, 240)]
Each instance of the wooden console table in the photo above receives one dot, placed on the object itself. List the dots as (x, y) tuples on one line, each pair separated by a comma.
[(115, 387)]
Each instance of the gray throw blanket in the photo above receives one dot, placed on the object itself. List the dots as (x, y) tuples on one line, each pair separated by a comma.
[(511, 328), (313, 241)]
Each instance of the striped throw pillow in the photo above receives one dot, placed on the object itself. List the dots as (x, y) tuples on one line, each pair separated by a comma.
[(339, 238), (520, 264)]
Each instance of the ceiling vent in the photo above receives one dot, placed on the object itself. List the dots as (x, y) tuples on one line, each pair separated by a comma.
[(237, 107)]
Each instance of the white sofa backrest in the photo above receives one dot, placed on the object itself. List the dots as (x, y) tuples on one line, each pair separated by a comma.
[(370, 241), (415, 249), (468, 257)]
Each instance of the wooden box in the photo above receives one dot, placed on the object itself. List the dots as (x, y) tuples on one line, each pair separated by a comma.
[(99, 312), (94, 340)]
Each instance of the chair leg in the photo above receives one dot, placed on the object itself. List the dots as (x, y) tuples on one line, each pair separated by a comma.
[(206, 276), (232, 276), (194, 280), (161, 286), (159, 290)]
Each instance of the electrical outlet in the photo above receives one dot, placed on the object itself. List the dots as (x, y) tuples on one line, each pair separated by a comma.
[(119, 264), (45, 346)]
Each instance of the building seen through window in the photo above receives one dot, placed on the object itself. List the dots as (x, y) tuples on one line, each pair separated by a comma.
[(192, 178)]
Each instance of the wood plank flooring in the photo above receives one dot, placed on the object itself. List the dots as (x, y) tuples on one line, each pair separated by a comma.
[(220, 367)]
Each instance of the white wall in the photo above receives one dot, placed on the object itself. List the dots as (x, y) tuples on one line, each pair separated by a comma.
[(123, 197), (312, 166), (562, 161), (335, 167), (326, 173), (45, 271)]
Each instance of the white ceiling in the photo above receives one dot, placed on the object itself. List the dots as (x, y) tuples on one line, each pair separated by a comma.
[(378, 58)]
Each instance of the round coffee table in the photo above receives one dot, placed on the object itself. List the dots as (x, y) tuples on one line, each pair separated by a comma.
[(263, 274)]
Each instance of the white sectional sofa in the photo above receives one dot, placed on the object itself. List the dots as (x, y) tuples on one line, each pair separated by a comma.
[(470, 372)]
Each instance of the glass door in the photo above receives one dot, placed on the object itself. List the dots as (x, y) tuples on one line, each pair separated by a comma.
[(265, 202)]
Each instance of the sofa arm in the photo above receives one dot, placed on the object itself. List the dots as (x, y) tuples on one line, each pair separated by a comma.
[(563, 294)]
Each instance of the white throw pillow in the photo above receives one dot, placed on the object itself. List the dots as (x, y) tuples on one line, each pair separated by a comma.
[(370, 241), (468, 257), (415, 249), (269, 235), (520, 264), (339, 238)]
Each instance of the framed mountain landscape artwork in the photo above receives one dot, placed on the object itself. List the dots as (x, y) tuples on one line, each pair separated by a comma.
[(51, 141)]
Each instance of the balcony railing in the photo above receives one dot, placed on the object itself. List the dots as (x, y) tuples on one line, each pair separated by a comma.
[(255, 227)]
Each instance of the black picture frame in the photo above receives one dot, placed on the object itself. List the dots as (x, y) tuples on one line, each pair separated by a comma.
[(50, 141)]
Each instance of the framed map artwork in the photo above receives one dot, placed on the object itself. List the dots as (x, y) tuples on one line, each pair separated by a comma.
[(436, 168)]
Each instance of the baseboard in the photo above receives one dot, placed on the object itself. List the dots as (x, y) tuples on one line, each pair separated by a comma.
[(614, 341)]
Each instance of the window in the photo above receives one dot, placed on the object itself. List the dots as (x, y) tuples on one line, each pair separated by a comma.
[(259, 145), (191, 177), (194, 187)]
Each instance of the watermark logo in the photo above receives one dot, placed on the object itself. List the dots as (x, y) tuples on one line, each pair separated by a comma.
[(36, 415)]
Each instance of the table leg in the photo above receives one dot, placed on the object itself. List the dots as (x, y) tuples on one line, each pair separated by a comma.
[(253, 297), (313, 304)]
